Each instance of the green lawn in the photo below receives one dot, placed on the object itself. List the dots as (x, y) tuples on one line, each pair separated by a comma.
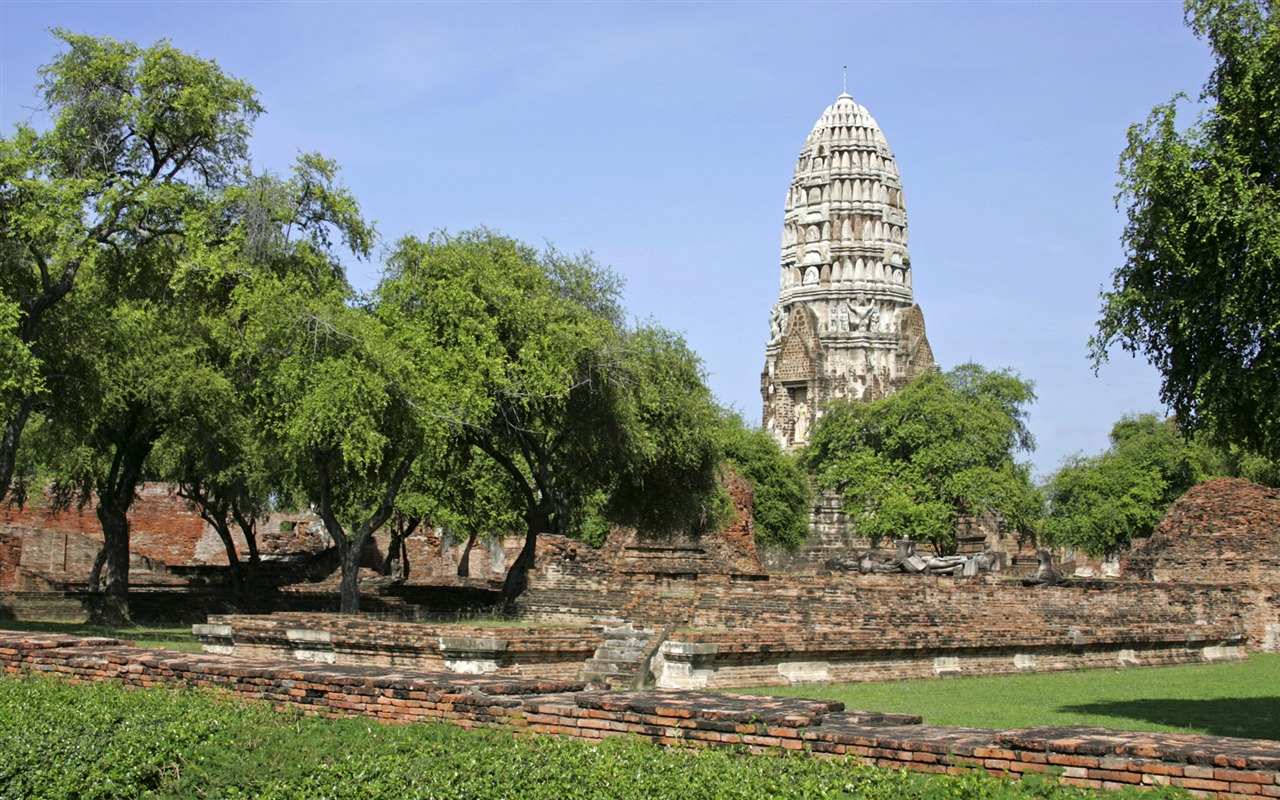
[(1221, 699), (162, 637)]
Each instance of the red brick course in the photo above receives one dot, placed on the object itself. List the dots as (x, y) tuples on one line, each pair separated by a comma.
[(62, 545), (10, 557), (1218, 766)]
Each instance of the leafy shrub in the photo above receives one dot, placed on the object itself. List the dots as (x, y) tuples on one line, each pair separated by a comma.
[(60, 740)]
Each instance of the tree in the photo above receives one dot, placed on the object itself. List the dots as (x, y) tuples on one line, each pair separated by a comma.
[(129, 366), (943, 446), (344, 407), (592, 423), (262, 233), (1196, 294), (1101, 503), (136, 135), (782, 496)]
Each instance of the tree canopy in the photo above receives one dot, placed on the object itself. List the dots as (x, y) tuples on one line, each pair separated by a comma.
[(1101, 503), (138, 136), (169, 313), (943, 446), (1197, 295), (781, 495), (592, 422)]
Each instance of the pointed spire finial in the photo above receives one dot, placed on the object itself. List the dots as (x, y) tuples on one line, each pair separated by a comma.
[(845, 68)]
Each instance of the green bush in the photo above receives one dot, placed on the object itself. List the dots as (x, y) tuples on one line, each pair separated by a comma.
[(100, 741)]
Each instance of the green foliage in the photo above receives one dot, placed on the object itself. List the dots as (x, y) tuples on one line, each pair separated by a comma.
[(782, 495), (19, 368), (944, 445), (667, 478), (138, 139), (591, 422), (189, 745), (1196, 295), (1101, 503)]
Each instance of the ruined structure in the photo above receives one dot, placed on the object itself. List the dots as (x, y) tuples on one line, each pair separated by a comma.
[(1211, 766), (1221, 531), (845, 324)]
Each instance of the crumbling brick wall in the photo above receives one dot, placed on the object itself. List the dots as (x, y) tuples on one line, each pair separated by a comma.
[(10, 557), (61, 545), (1091, 757), (1221, 531)]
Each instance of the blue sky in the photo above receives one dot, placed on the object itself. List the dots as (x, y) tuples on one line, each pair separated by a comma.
[(662, 138)]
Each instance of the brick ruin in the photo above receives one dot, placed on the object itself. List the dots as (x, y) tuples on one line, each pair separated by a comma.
[(1212, 766), (705, 613)]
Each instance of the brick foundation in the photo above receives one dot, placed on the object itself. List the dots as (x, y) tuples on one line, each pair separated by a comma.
[(1208, 765), (534, 652), (770, 630)]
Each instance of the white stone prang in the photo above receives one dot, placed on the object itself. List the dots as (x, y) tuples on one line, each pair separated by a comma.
[(845, 324)]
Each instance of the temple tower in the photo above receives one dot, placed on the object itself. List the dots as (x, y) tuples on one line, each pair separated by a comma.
[(845, 324)]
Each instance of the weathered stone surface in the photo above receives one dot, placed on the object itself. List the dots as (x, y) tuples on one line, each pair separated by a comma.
[(845, 324)]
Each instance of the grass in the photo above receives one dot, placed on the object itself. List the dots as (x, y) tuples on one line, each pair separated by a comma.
[(149, 636), (1241, 699), (98, 741)]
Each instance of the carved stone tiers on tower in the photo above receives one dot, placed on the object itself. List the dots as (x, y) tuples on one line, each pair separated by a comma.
[(845, 324)]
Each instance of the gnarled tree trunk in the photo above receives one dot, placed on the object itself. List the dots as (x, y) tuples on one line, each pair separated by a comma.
[(111, 606)]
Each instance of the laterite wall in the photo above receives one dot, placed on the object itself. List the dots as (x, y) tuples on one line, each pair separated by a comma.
[(1208, 765)]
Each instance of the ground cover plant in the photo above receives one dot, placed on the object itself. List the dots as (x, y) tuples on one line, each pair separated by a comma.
[(1238, 699), (86, 741)]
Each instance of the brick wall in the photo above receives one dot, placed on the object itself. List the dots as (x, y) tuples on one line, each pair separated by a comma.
[(10, 557), (61, 546), (1208, 765), (1220, 531), (773, 630), (536, 652)]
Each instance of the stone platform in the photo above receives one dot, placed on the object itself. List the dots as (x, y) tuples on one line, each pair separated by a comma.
[(1208, 765)]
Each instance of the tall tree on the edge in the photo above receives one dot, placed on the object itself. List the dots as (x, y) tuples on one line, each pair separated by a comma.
[(136, 133)]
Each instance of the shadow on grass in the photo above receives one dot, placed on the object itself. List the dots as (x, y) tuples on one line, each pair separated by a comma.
[(1249, 717)]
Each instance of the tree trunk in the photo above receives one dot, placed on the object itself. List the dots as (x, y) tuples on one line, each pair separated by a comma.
[(404, 554), (517, 580), (233, 559), (464, 563), (111, 608), (95, 574), (253, 575), (540, 518), (349, 591), (9, 445)]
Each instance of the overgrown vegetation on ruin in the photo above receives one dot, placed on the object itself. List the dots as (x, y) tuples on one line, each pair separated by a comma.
[(191, 744), (1219, 699)]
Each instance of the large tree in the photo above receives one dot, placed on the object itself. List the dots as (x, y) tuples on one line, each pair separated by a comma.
[(136, 135), (944, 446), (129, 367), (592, 422), (1197, 293), (262, 233), (1101, 503)]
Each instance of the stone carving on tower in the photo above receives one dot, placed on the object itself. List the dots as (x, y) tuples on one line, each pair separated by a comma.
[(845, 324)]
